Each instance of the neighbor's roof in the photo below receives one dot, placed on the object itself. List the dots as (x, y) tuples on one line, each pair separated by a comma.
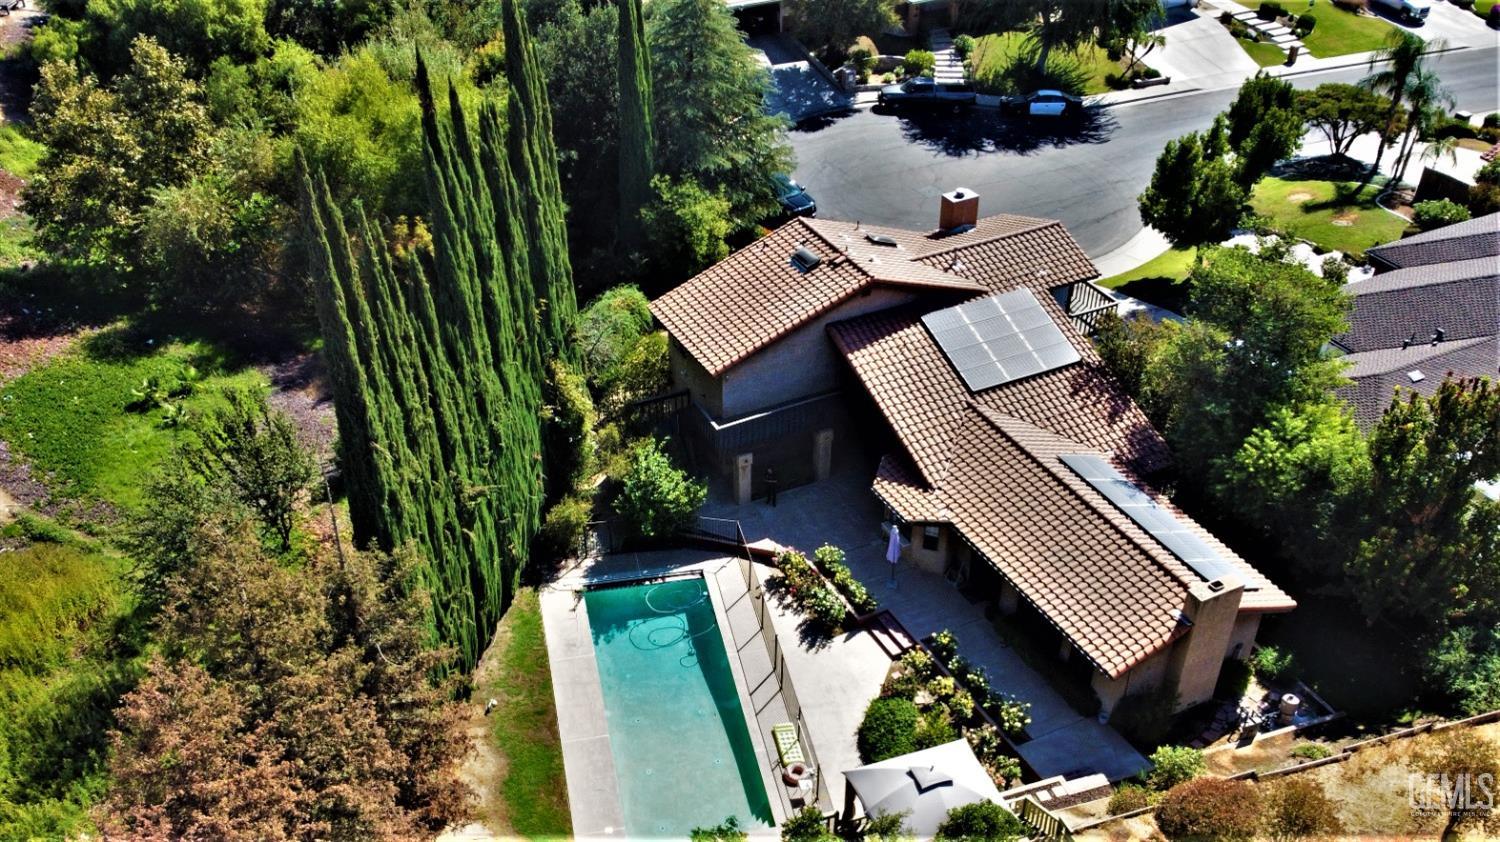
[(1377, 374), (1108, 586), (1475, 238), (756, 295), (1461, 297)]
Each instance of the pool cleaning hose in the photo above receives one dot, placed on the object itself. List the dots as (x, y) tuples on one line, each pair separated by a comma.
[(671, 622)]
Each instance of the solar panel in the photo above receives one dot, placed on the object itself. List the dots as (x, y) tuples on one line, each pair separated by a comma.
[(998, 339), (1157, 520)]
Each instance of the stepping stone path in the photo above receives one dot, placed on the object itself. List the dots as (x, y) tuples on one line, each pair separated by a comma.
[(949, 66), (1270, 30)]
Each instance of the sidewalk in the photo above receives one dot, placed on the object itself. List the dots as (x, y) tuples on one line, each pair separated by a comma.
[(1143, 247)]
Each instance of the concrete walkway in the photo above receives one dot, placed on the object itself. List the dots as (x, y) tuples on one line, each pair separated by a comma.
[(948, 66), (843, 511), (799, 90)]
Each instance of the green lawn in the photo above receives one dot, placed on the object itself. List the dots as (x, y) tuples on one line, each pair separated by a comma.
[(19, 154), (533, 794), (1339, 32), (1327, 213), (70, 417), (67, 652), (1265, 54), (996, 68), (1172, 264)]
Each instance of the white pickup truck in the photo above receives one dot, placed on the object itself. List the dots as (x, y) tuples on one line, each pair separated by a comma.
[(1410, 10)]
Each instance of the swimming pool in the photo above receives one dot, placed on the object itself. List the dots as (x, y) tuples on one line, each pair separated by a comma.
[(683, 756)]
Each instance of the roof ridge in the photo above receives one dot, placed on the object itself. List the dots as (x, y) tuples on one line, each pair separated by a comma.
[(1041, 223)]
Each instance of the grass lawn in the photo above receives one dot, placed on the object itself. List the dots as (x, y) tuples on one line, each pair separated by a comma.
[(1172, 264), (995, 55), (1327, 213), (70, 419), (1264, 53), (532, 795), (67, 652), (1339, 32), (19, 154)]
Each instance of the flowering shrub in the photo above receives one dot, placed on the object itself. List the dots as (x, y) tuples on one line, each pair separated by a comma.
[(824, 606), (1012, 714), (918, 663), (830, 560), (1210, 808), (810, 591), (943, 645)]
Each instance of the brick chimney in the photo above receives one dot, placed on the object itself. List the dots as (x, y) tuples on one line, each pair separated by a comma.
[(961, 207)]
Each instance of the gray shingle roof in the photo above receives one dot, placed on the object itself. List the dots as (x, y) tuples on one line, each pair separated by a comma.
[(1462, 298), (1475, 238), (1377, 374)]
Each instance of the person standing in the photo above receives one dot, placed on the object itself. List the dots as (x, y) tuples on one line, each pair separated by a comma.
[(771, 484)]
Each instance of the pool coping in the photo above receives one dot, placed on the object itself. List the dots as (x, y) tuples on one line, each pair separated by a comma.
[(588, 756)]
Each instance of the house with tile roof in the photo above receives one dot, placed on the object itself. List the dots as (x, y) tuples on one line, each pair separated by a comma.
[(1007, 453), (1431, 310)]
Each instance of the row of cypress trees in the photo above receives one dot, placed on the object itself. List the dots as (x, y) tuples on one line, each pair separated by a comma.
[(637, 145), (437, 358)]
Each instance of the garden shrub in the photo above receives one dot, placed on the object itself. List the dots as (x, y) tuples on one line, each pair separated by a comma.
[(889, 729), (1127, 798), (1298, 808), (1012, 714), (807, 825), (823, 606), (1145, 718), (569, 432), (610, 325), (1305, 24), (1210, 809), (728, 831), (1174, 765), (934, 728), (919, 62), (830, 560), (943, 646), (1335, 269), (1491, 121), (563, 528), (918, 663), (1270, 11), (1151, 73), (1234, 680), (983, 820), (989, 749), (964, 45), (1269, 663), (1312, 751), (887, 827), (1437, 213), (656, 497)]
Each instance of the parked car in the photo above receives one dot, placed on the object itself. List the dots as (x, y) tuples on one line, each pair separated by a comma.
[(928, 93), (793, 197), (1043, 103), (1414, 11)]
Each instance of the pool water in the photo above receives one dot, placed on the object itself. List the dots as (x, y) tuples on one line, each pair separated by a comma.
[(683, 755)]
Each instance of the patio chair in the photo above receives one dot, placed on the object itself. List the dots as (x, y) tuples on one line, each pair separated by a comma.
[(788, 747)]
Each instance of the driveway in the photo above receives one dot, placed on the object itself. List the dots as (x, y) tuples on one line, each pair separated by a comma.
[(1199, 51), (1458, 27), (798, 90), (842, 511)]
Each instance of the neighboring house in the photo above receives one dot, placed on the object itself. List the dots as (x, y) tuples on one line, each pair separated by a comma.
[(1432, 309), (1015, 462)]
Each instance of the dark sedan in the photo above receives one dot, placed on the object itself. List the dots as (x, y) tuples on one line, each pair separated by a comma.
[(793, 197)]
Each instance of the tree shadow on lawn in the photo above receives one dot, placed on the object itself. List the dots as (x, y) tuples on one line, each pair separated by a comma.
[(976, 132)]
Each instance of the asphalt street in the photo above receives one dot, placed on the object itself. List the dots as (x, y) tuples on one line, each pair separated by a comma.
[(889, 169)]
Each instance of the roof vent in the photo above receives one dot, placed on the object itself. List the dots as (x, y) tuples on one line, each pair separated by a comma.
[(805, 260), (880, 239), (1437, 336), (1416, 375)]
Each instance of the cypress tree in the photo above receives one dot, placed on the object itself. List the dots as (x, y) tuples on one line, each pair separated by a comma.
[(636, 145)]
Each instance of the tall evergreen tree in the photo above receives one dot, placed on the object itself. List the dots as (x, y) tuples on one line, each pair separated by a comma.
[(637, 146)]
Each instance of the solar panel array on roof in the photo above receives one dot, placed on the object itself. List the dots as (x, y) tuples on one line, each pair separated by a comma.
[(1158, 521), (998, 339)]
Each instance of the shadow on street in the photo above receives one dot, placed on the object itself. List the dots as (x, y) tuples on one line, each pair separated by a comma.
[(979, 132)]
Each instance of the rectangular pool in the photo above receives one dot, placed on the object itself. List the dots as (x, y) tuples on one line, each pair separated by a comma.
[(683, 756)]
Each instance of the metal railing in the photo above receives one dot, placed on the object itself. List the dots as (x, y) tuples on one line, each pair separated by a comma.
[(1087, 304), (757, 595)]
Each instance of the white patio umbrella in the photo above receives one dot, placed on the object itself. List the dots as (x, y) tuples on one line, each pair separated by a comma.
[(924, 784)]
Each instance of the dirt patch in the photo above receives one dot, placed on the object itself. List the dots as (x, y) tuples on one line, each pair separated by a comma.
[(16, 74), (1346, 218), (300, 388), (1299, 197), (484, 768)]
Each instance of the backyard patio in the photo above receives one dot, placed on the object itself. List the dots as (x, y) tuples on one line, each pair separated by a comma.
[(842, 511)]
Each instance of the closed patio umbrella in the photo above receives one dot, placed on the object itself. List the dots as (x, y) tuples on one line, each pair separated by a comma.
[(924, 784)]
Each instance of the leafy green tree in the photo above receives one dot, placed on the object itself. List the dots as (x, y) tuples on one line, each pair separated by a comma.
[(1174, 765), (637, 119), (1465, 665), (1341, 112), (1433, 551), (711, 124), (656, 497), (727, 831), (165, 535), (1193, 199), (807, 825), (1274, 138), (830, 26), (610, 325), (1258, 97), (1428, 103), (107, 149), (686, 226), (1293, 476), (327, 28), (197, 31), (254, 452), (1132, 26)]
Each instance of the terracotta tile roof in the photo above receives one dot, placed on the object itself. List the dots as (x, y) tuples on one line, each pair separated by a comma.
[(1475, 238), (900, 486), (1377, 374), (1107, 585), (749, 299), (1461, 297)]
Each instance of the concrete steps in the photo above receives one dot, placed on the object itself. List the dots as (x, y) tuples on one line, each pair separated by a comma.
[(948, 67)]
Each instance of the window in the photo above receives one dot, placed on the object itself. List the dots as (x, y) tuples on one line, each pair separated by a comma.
[(930, 536)]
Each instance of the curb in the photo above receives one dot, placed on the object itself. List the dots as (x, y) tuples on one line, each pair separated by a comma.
[(1363, 62)]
